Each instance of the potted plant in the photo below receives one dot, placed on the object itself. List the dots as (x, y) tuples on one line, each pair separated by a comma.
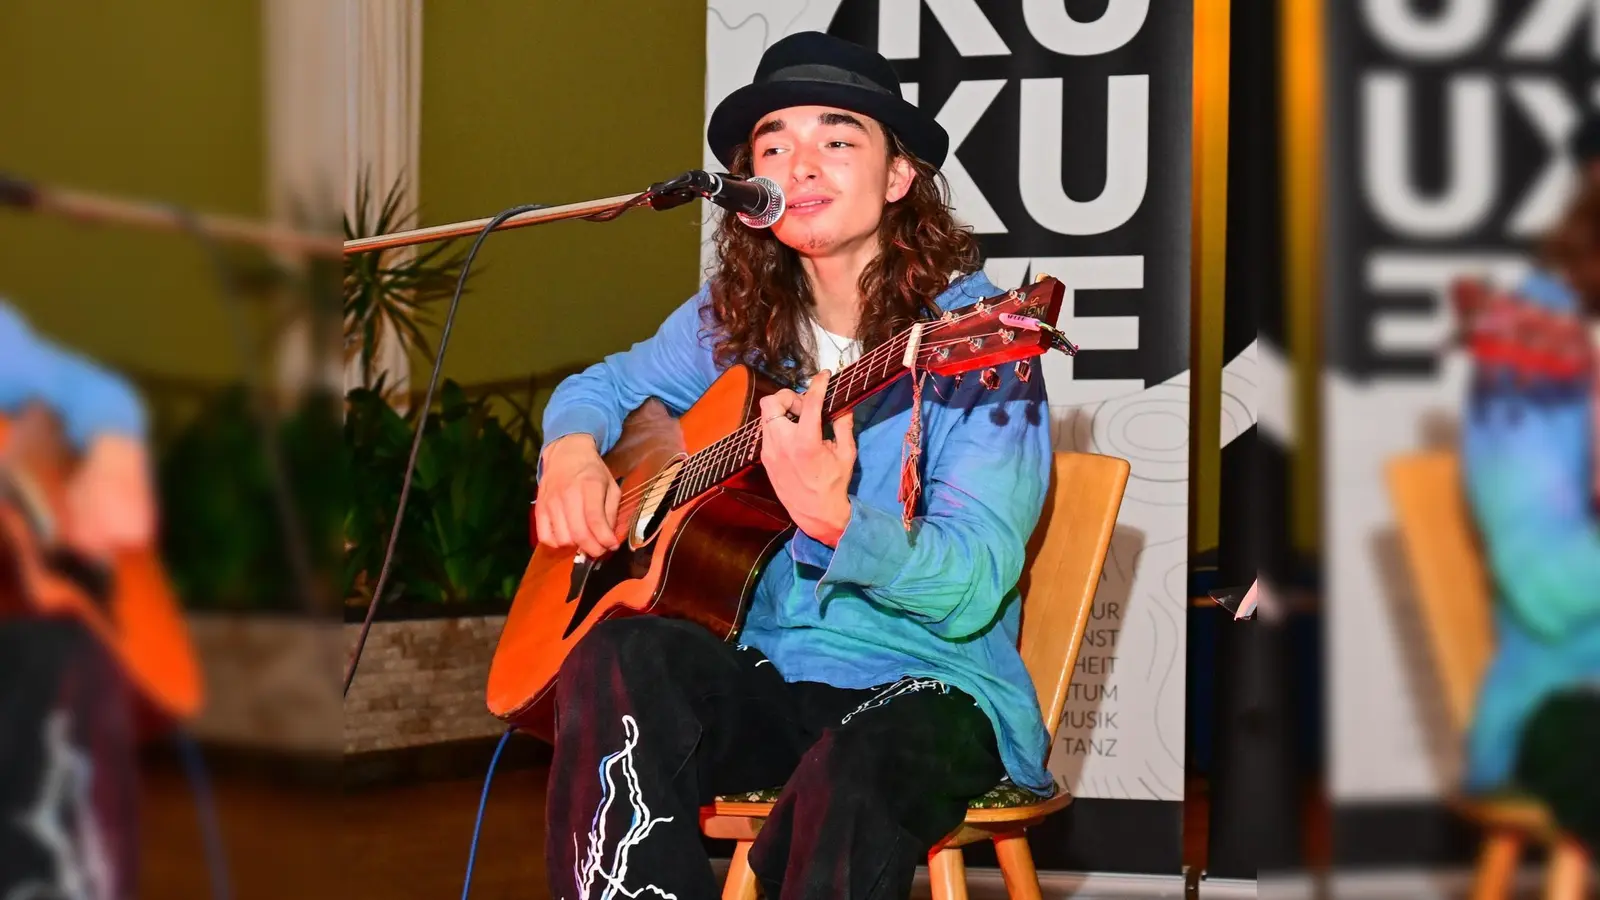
[(387, 293)]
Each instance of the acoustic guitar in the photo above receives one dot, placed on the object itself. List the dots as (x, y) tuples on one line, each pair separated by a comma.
[(698, 519), (1509, 336), (126, 602)]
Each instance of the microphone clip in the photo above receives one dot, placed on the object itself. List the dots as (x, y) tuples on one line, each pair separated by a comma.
[(674, 192), (758, 202)]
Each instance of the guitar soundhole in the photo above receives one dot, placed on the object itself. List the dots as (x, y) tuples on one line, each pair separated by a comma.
[(623, 565), (655, 501), (94, 579), (632, 559)]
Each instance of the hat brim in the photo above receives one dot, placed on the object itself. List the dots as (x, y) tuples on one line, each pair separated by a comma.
[(736, 116)]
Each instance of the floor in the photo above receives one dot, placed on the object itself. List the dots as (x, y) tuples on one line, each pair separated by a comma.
[(397, 842), (392, 842)]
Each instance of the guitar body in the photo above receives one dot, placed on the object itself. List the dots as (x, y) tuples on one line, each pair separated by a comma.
[(126, 603), (698, 562)]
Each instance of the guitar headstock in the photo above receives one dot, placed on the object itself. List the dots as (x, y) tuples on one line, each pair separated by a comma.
[(1507, 334), (1009, 327)]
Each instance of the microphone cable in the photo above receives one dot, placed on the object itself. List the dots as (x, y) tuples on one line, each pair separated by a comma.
[(210, 827), (483, 801), (640, 199), (416, 438)]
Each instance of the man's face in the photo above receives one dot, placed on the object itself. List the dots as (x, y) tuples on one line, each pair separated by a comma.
[(835, 172)]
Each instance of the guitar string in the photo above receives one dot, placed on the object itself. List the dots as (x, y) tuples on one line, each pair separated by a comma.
[(699, 471), (741, 450), (738, 450), (703, 469), (737, 446), (696, 472)]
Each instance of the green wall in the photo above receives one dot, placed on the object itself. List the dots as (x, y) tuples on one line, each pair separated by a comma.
[(154, 100), (560, 102)]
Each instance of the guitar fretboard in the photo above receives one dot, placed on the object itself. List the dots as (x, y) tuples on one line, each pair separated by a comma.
[(738, 451)]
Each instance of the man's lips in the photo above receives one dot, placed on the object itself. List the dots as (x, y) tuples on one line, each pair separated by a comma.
[(806, 205)]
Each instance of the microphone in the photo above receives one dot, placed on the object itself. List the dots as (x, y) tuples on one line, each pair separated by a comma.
[(758, 201)]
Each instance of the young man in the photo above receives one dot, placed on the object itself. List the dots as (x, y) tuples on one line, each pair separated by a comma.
[(1530, 467), (878, 678), (68, 786)]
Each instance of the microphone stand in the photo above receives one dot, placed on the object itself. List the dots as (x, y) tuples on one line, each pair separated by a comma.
[(660, 196)]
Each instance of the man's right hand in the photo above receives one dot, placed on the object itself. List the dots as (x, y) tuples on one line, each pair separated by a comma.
[(578, 498)]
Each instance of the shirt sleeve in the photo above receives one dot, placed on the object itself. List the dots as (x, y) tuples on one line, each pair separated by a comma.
[(982, 493), (674, 365), (1528, 482), (88, 399)]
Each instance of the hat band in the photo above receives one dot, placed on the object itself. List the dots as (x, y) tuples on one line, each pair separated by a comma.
[(822, 72)]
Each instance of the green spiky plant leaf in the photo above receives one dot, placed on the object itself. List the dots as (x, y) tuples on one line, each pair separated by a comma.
[(392, 289)]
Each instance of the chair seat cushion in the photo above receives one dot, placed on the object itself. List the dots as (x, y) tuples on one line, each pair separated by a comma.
[(1002, 796)]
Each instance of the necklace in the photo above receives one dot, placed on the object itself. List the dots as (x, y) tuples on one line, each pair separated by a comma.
[(846, 350)]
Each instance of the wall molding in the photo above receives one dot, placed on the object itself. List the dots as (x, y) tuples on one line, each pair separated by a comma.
[(383, 121)]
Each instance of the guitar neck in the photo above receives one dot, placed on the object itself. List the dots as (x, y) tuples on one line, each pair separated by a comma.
[(740, 450)]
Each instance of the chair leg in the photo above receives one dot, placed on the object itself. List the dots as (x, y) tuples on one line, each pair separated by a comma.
[(741, 883), (1567, 874), (1016, 865), (947, 874), (1497, 863)]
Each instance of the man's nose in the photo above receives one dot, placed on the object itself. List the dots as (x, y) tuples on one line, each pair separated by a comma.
[(805, 165)]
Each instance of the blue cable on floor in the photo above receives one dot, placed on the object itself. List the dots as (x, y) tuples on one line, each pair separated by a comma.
[(466, 886), (210, 830)]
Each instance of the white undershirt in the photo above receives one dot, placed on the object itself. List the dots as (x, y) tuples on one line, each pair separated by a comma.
[(833, 352)]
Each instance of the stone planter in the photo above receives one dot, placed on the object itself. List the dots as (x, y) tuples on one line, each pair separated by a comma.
[(272, 683), (421, 681)]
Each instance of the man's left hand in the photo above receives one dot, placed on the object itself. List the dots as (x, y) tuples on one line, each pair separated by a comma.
[(811, 476), (111, 501)]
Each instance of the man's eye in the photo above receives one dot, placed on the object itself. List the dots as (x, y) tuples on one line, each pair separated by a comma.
[(771, 150), (840, 144)]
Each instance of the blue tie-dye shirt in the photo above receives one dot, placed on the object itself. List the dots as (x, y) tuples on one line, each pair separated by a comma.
[(1528, 458), (88, 399), (938, 603)]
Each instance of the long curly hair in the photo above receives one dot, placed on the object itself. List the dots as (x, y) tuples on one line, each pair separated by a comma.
[(1572, 246), (761, 303)]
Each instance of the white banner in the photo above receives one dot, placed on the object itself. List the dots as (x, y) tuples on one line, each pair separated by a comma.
[(1069, 156)]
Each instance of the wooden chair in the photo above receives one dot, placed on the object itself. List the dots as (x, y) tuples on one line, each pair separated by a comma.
[(1065, 556), (1453, 591)]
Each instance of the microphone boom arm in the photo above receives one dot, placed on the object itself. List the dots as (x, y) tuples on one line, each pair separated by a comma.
[(97, 209), (609, 207), (662, 195)]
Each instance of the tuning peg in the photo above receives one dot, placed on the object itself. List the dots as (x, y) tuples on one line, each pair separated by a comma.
[(1039, 276), (1024, 370), (990, 379)]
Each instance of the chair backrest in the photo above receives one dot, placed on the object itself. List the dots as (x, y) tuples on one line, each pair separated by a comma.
[(1447, 569), (1065, 557)]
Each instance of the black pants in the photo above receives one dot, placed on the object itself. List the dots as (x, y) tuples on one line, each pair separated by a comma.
[(68, 775), (655, 717)]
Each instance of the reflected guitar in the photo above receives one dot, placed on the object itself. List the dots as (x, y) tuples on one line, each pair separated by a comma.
[(1509, 337), (698, 519), (125, 602)]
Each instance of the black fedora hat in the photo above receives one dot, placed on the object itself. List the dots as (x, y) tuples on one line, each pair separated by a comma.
[(815, 69)]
